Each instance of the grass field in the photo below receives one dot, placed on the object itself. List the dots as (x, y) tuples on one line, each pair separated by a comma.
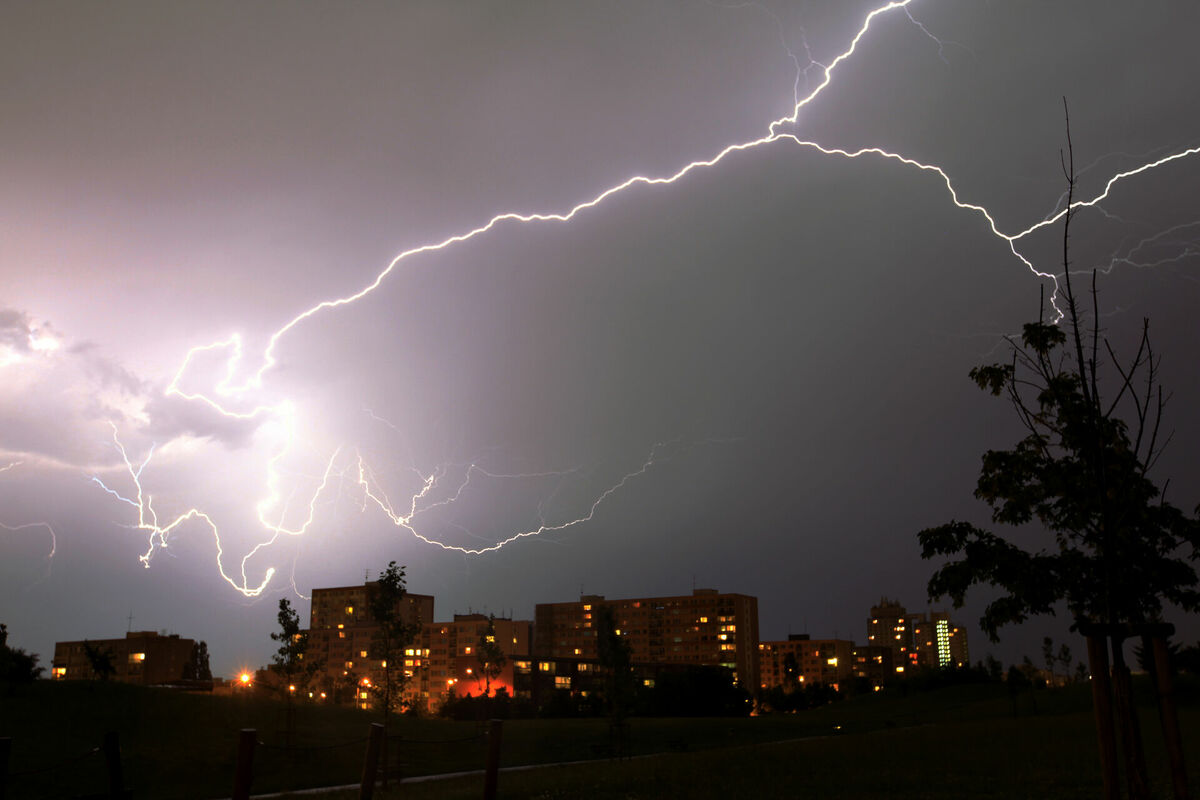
[(956, 742)]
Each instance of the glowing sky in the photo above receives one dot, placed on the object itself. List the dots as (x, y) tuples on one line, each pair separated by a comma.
[(785, 334)]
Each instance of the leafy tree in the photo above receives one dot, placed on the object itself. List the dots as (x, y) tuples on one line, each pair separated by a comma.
[(1048, 656), (490, 656), (1117, 549), (289, 660), (791, 672), (101, 661), (17, 666), (614, 655), (392, 635), (1065, 659), (197, 667)]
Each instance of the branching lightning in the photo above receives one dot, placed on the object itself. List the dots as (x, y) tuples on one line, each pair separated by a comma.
[(46, 526), (227, 395)]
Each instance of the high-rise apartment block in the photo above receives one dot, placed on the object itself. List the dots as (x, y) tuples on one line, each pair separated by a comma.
[(917, 640), (705, 627)]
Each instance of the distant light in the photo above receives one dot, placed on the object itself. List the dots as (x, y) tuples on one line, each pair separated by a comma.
[(244, 678)]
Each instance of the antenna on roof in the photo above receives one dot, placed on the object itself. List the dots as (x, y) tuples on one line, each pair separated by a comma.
[(130, 628)]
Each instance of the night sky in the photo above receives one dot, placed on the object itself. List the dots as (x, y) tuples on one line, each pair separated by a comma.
[(784, 335)]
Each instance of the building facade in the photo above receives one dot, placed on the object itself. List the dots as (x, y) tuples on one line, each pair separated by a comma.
[(705, 628), (917, 641), (801, 661), (142, 657), (446, 657), (340, 633)]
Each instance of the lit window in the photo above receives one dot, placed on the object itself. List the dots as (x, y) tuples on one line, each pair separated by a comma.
[(587, 608), (704, 619), (349, 609), (832, 661), (59, 672), (578, 651), (470, 671), (341, 634), (363, 695), (899, 669), (467, 649), (362, 653), (137, 658), (349, 665), (340, 626), (545, 666), (562, 681)]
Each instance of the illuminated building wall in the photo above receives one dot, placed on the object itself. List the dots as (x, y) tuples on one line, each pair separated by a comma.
[(705, 627), (340, 632), (917, 640), (814, 661), (142, 657), (874, 662), (446, 656)]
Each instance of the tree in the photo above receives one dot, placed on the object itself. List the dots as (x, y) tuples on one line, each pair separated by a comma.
[(1048, 656), (489, 655), (197, 667), (17, 666), (1065, 659), (392, 635), (288, 662), (1118, 551), (614, 655), (101, 661)]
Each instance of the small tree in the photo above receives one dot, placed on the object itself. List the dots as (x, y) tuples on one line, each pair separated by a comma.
[(392, 635), (16, 666), (289, 662), (1118, 550), (101, 661), (490, 656), (197, 667), (614, 654)]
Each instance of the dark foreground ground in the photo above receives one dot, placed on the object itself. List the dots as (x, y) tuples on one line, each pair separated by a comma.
[(955, 742)]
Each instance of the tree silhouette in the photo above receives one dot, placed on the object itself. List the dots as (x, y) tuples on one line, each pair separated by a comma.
[(490, 656), (197, 667), (392, 635), (1117, 549), (101, 661), (16, 666)]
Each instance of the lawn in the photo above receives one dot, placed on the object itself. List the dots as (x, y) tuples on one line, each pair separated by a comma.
[(954, 742)]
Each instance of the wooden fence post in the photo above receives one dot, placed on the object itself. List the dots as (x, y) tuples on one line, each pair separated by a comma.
[(112, 757), (5, 750), (247, 739), (371, 765), (491, 771)]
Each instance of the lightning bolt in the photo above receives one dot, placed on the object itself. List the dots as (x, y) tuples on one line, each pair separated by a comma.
[(159, 533), (226, 394), (31, 525)]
